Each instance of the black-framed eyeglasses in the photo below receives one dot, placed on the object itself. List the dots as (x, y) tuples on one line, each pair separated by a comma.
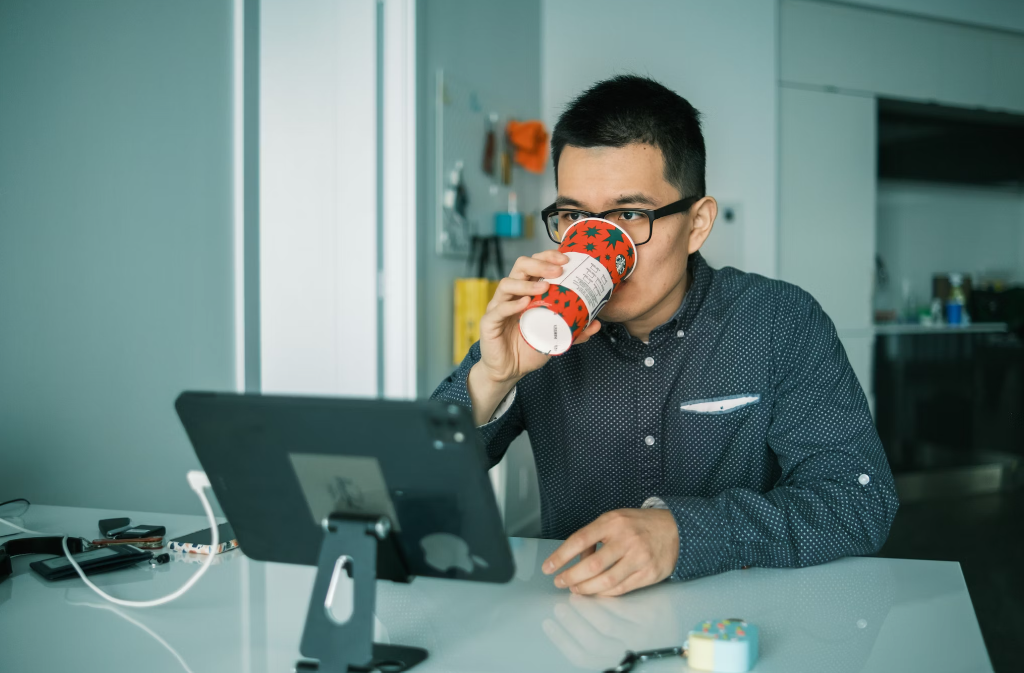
[(637, 222)]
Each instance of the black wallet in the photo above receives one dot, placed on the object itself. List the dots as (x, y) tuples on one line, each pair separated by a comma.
[(92, 562)]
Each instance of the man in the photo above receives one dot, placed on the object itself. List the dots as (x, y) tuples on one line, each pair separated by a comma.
[(710, 419)]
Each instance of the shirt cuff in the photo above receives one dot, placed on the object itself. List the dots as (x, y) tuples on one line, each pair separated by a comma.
[(503, 406), (654, 502)]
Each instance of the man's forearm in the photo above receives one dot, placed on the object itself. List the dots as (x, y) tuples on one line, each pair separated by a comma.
[(485, 393)]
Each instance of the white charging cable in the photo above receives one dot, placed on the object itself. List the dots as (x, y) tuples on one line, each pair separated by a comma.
[(23, 530), (154, 634), (198, 482)]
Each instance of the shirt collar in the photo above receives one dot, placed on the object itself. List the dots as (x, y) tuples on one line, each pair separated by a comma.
[(694, 298), (684, 316)]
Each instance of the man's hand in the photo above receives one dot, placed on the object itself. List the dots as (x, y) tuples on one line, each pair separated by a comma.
[(505, 357), (638, 547), (504, 354)]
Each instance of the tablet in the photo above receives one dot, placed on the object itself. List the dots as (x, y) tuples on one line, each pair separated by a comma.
[(279, 465)]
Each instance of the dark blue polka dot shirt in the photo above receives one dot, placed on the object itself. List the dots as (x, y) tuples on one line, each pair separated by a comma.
[(741, 415)]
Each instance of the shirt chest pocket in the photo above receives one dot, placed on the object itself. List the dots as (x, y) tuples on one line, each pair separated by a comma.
[(712, 426), (715, 443), (717, 406)]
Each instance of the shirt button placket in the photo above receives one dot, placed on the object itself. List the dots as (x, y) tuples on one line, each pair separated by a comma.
[(650, 460)]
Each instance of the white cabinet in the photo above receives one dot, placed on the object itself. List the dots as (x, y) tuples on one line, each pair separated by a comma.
[(899, 56), (827, 200), (827, 152)]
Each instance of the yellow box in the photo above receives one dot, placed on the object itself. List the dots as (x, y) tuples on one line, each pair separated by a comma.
[(471, 298)]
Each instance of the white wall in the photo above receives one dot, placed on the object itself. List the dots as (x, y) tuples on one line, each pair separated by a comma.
[(826, 44), (116, 244), (465, 38), (720, 56), (1000, 14), (462, 37), (318, 234), (924, 229)]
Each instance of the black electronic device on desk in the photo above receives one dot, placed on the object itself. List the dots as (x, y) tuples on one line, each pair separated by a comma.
[(92, 562), (34, 545), (380, 489)]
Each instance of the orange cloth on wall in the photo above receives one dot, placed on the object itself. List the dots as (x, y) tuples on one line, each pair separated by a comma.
[(531, 142)]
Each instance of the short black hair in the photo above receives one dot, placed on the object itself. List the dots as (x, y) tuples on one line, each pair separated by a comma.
[(632, 109)]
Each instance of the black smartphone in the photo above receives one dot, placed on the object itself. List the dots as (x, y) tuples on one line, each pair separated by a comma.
[(92, 562), (141, 531)]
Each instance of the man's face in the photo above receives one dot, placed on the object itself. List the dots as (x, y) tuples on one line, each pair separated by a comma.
[(596, 179)]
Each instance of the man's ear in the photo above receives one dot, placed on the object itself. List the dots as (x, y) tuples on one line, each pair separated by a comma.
[(702, 218)]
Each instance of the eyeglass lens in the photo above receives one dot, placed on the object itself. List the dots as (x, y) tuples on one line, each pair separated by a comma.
[(635, 223)]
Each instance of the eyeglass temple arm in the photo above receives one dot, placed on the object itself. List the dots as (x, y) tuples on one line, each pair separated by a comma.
[(677, 207)]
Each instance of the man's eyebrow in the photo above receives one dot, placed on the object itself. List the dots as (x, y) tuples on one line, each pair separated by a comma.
[(625, 199), (565, 201), (638, 197)]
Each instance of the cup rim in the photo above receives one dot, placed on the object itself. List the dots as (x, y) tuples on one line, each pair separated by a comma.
[(519, 324), (624, 233)]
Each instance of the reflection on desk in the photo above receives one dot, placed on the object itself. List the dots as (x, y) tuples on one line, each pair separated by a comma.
[(852, 615), (824, 618)]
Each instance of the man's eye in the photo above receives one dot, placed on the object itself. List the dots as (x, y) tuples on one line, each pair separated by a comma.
[(630, 215), (570, 217)]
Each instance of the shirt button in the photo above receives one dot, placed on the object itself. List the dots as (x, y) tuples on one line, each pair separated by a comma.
[(649, 440), (649, 362), (612, 338), (864, 479), (679, 333)]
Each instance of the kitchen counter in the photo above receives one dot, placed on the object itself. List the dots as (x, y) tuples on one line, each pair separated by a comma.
[(908, 328)]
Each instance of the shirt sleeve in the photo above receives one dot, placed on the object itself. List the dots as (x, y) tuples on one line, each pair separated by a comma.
[(835, 495), (506, 422)]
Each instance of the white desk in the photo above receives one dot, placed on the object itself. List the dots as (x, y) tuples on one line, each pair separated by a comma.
[(852, 615)]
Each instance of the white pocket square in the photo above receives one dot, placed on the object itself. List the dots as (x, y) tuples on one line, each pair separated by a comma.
[(720, 405)]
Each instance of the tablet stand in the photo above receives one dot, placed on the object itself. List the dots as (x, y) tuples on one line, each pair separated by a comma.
[(351, 544)]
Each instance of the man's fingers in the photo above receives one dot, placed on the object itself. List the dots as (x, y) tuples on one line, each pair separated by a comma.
[(588, 551), (541, 265), (552, 255), (607, 580), (512, 288), (592, 566), (502, 311), (637, 580), (585, 537), (592, 329)]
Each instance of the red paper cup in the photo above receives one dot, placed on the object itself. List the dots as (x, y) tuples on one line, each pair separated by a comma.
[(601, 255)]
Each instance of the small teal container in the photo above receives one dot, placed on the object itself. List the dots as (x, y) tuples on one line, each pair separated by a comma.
[(508, 225), (722, 646)]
